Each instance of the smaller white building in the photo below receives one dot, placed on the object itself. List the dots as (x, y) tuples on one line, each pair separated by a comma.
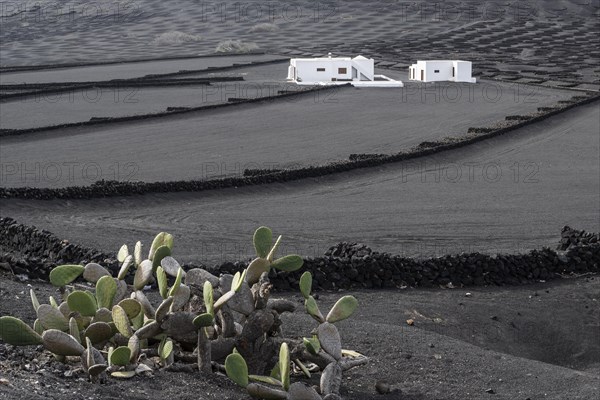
[(441, 70), (358, 71)]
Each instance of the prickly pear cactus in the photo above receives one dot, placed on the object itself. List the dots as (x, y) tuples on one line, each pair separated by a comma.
[(229, 322)]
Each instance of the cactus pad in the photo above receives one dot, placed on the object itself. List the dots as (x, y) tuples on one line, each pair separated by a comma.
[(342, 309), (137, 253), (121, 321), (123, 253), (120, 356), (161, 279), (61, 343), (142, 275), (177, 282), (162, 239), (34, 300), (203, 320), (159, 254), (98, 332), (92, 272), (236, 369), (288, 263), (306, 284), (131, 306), (170, 265), (126, 264), (263, 239), (284, 365), (256, 268), (18, 333), (51, 318), (330, 340), (106, 289), (65, 274), (83, 302), (313, 309), (312, 345), (165, 349), (207, 294)]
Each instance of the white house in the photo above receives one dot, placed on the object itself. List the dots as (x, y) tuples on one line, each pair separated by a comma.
[(358, 71), (441, 70)]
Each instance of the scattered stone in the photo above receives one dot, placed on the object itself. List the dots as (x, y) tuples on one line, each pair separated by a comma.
[(490, 391), (410, 322), (383, 387)]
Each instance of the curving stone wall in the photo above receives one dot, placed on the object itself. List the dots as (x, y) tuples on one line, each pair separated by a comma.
[(115, 188), (29, 251)]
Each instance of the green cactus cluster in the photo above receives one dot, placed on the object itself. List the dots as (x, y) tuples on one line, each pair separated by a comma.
[(114, 329)]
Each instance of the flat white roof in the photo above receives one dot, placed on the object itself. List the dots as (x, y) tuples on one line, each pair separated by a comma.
[(324, 59), (441, 61), (332, 58)]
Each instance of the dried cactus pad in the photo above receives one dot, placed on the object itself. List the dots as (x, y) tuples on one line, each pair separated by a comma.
[(98, 332), (61, 343), (259, 391), (18, 333), (123, 374), (300, 390), (51, 318), (142, 275), (342, 309), (65, 274), (330, 339), (170, 265), (93, 272), (236, 369)]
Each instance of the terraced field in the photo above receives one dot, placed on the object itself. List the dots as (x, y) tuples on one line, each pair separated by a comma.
[(186, 104)]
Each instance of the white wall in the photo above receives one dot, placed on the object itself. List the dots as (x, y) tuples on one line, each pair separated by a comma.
[(444, 69), (464, 71), (367, 66), (307, 69)]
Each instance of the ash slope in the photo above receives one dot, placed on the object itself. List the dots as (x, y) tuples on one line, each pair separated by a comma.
[(524, 186), (431, 360), (306, 129)]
